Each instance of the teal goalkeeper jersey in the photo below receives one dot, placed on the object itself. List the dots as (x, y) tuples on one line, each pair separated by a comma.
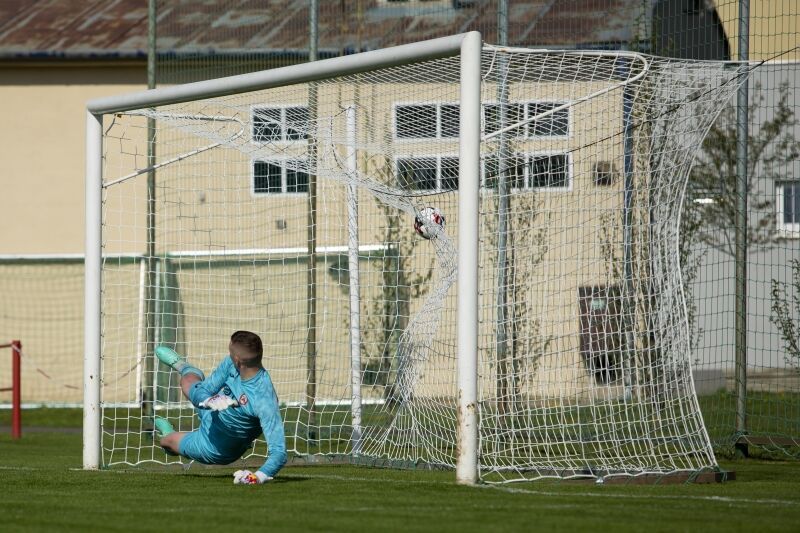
[(235, 428)]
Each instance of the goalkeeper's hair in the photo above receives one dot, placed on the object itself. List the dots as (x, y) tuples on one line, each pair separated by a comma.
[(249, 341)]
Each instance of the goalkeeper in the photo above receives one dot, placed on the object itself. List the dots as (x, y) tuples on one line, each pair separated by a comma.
[(235, 404)]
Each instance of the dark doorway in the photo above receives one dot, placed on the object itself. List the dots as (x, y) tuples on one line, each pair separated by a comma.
[(601, 339)]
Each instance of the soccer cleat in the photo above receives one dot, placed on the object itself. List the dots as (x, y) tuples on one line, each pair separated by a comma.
[(163, 427), (168, 356)]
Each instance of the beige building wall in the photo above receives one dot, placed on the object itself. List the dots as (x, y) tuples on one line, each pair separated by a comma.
[(200, 218), (206, 206), (43, 145), (42, 183), (773, 28)]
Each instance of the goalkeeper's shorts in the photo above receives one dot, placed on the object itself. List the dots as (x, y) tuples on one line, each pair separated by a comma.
[(211, 447)]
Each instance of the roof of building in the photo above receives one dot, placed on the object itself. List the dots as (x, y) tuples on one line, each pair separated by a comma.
[(73, 29), (104, 29)]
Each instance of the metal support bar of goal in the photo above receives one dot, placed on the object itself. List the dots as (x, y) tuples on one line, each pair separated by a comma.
[(16, 387)]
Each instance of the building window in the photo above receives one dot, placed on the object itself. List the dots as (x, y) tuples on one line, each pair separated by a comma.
[(554, 125), (531, 171), (279, 177), (441, 121), (514, 169), (287, 124), (514, 113), (426, 121), (787, 196), (276, 124), (548, 171), (428, 173)]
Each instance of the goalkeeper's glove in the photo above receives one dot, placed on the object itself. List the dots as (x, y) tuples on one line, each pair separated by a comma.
[(218, 402), (246, 477)]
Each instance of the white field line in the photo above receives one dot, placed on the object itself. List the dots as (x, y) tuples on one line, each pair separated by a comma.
[(719, 499), (502, 488)]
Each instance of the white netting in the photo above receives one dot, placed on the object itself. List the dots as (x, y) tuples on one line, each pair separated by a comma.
[(584, 362), (43, 308)]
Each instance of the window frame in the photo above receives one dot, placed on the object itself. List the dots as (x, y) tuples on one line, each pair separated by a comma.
[(438, 158), (526, 133), (528, 156), (527, 129), (282, 163), (283, 141), (556, 103), (438, 136), (785, 229), (283, 123)]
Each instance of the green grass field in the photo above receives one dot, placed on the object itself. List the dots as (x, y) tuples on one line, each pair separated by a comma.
[(45, 490)]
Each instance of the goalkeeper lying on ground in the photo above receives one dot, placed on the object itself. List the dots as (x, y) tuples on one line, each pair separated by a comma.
[(235, 404)]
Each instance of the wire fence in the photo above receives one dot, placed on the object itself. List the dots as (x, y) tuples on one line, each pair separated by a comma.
[(743, 293)]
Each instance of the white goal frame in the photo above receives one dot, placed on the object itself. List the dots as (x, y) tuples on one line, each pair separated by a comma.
[(468, 46)]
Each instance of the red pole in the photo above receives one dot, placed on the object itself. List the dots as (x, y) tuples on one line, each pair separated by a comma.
[(16, 394)]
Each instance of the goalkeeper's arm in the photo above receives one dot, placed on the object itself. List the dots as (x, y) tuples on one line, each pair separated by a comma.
[(269, 415), (204, 390), (272, 425)]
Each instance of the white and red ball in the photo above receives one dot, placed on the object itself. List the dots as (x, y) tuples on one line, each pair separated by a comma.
[(429, 223)]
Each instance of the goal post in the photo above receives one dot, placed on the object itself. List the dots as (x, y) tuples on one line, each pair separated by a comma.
[(92, 377), (457, 254), (15, 388), (468, 187), (465, 44)]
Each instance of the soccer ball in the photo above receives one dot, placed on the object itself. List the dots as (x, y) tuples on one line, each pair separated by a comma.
[(429, 223)]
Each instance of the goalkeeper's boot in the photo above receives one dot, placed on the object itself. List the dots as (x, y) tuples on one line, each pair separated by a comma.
[(163, 427), (170, 357)]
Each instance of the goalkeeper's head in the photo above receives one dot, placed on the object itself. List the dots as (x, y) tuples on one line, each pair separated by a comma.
[(246, 349)]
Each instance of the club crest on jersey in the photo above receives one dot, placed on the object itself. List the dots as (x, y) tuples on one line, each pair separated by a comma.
[(243, 400)]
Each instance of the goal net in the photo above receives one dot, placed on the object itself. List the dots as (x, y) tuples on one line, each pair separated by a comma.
[(290, 211)]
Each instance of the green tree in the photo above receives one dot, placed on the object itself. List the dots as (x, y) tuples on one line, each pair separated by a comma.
[(769, 148), (786, 314), (384, 319), (520, 345)]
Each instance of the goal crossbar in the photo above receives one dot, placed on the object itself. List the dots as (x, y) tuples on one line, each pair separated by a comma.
[(302, 73)]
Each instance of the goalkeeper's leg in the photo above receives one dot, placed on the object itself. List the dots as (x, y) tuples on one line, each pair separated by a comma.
[(169, 439), (197, 445), (189, 374)]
